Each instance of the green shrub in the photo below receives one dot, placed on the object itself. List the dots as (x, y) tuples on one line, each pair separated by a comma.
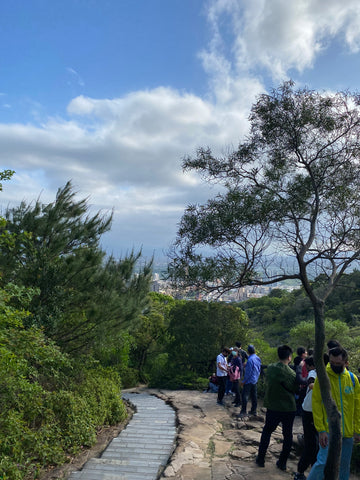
[(51, 407), (102, 389), (129, 376)]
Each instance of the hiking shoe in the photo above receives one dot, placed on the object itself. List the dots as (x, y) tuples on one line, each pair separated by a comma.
[(220, 403), (281, 466), (252, 413), (259, 462), (299, 476)]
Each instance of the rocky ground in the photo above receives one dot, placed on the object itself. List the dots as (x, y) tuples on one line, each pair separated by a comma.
[(213, 444)]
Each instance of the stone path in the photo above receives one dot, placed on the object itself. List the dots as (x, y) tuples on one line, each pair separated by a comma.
[(142, 449)]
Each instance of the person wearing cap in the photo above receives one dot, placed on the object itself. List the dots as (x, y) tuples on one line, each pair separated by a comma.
[(249, 383)]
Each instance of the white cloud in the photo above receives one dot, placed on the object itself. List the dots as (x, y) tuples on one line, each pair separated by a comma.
[(126, 153), (75, 76), (278, 34)]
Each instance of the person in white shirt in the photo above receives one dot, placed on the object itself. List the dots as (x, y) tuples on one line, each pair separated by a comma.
[(222, 373)]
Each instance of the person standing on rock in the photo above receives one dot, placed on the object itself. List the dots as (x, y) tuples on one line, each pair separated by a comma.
[(281, 385), (249, 383), (222, 369), (235, 373), (244, 356)]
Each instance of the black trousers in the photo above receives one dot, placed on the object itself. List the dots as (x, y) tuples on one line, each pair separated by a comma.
[(236, 390), (311, 442), (273, 418), (222, 386)]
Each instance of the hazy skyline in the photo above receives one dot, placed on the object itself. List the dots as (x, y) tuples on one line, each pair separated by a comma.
[(112, 94)]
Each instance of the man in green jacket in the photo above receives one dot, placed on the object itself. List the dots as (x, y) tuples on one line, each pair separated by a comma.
[(281, 385)]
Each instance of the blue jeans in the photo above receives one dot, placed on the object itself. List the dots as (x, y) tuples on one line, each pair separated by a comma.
[(249, 390), (317, 471)]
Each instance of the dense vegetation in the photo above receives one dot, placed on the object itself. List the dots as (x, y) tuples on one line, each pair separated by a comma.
[(288, 316), (66, 311)]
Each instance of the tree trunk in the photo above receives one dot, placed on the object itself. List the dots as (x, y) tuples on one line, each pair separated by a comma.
[(335, 437)]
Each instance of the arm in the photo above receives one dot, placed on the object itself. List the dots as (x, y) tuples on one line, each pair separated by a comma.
[(299, 378), (357, 411), (318, 409), (248, 370), (222, 367), (241, 368)]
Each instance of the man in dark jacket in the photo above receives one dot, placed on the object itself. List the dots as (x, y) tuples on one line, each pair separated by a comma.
[(279, 399)]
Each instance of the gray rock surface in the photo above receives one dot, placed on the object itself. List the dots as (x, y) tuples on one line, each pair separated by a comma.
[(213, 444)]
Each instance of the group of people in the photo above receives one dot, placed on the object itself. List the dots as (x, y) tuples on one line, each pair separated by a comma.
[(290, 388), (242, 369)]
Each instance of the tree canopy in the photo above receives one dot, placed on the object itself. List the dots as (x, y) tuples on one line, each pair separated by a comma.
[(83, 296), (291, 193)]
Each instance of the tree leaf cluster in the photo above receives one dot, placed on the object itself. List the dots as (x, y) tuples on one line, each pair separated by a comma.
[(84, 297), (275, 314)]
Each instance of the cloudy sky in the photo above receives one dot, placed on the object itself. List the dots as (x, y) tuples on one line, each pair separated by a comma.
[(112, 94)]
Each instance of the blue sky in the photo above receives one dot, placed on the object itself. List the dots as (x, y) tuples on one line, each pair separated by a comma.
[(113, 93), (53, 51)]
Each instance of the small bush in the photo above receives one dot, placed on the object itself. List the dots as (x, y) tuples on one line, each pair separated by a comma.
[(51, 406)]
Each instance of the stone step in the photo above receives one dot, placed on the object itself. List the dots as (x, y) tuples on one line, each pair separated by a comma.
[(141, 450)]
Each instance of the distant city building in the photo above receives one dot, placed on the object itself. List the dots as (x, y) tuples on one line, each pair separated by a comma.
[(232, 296)]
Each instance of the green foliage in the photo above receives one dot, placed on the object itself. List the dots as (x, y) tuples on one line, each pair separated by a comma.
[(274, 316), (304, 333), (158, 370), (5, 175), (151, 334), (197, 331), (267, 353), (83, 299), (51, 406)]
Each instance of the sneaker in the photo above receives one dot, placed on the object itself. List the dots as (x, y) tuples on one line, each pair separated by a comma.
[(299, 476), (281, 466), (220, 403), (252, 413), (259, 462)]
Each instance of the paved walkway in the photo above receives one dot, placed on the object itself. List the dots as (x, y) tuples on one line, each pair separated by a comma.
[(142, 449)]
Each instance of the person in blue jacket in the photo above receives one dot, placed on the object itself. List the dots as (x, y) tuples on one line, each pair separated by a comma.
[(249, 382)]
